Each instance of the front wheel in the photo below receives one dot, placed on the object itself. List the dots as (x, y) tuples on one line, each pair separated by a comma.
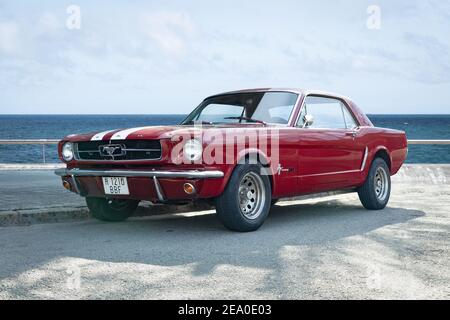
[(245, 203), (375, 192), (113, 210)]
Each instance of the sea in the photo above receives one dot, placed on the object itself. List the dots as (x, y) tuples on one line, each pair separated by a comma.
[(58, 126)]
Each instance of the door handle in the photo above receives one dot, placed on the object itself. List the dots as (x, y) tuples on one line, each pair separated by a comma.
[(351, 133)]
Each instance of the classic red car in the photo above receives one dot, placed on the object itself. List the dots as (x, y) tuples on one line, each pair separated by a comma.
[(240, 150)]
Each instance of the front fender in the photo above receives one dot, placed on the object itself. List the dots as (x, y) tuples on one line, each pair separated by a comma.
[(253, 154)]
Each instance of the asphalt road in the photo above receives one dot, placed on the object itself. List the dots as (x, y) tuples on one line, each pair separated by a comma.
[(319, 248), (34, 189)]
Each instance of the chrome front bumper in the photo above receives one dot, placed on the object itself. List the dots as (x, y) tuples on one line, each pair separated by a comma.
[(154, 174), (188, 174)]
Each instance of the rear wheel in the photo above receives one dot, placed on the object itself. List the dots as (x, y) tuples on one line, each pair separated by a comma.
[(245, 203), (113, 210), (375, 192)]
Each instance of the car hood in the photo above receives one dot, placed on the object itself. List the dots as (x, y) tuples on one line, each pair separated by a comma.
[(155, 132)]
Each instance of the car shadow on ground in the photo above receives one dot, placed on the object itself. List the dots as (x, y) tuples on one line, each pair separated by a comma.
[(175, 240)]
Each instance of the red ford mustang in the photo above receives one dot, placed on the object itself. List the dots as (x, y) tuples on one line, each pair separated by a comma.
[(240, 150)]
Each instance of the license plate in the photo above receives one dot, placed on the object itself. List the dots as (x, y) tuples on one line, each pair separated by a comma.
[(115, 185)]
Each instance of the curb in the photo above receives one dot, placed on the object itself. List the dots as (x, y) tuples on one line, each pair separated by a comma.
[(28, 217), (432, 174)]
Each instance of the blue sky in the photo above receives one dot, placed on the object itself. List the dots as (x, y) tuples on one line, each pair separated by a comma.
[(166, 56)]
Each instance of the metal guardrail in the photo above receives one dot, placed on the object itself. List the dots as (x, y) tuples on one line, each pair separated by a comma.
[(45, 142), (428, 141), (42, 142), (55, 141), (29, 141)]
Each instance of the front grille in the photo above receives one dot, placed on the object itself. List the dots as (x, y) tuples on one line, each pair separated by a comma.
[(119, 150)]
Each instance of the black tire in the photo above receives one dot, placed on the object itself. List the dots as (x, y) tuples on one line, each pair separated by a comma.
[(228, 204), (375, 196), (112, 210)]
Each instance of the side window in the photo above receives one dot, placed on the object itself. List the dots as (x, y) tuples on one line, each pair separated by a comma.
[(327, 113), (349, 120), (280, 114)]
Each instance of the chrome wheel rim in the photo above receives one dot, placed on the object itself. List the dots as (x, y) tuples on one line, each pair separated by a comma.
[(252, 195), (381, 184)]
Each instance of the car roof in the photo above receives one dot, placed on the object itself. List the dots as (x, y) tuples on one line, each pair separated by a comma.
[(293, 90)]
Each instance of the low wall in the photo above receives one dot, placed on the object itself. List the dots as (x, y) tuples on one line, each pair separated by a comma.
[(431, 173), (423, 173), (30, 166)]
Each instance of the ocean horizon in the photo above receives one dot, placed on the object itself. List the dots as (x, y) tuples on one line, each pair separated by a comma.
[(57, 126)]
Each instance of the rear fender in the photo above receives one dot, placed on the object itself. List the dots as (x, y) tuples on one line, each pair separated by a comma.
[(374, 153)]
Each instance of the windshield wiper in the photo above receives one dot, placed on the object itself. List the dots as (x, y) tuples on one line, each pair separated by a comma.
[(199, 122), (246, 119)]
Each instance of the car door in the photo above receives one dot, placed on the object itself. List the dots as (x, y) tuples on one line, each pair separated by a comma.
[(329, 151)]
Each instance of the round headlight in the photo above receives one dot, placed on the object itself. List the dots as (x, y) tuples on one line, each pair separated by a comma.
[(67, 151), (193, 150)]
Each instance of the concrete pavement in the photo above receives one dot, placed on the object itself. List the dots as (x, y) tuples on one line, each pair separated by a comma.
[(34, 189), (318, 248), (30, 197), (37, 196)]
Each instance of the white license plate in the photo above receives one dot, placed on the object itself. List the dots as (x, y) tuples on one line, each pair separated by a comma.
[(115, 185)]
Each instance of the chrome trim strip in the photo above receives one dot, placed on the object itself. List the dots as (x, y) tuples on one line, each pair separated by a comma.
[(159, 190), (295, 108), (124, 149), (189, 174), (363, 165), (143, 150), (104, 161), (328, 173)]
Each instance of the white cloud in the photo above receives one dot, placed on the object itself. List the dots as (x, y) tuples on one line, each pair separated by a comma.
[(170, 30), (9, 33), (48, 23), (133, 53)]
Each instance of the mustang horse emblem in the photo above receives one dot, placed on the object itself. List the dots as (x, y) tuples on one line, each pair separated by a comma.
[(110, 150)]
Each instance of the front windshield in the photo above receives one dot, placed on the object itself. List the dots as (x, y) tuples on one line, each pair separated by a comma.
[(249, 107)]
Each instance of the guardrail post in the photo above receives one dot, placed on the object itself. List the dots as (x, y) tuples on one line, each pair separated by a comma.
[(45, 142)]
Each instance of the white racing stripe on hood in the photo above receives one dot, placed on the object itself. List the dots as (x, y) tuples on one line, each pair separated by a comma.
[(100, 135), (125, 133)]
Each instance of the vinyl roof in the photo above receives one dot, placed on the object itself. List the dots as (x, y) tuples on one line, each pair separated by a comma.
[(293, 90)]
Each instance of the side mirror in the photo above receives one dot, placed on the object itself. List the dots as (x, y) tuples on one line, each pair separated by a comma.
[(308, 120)]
